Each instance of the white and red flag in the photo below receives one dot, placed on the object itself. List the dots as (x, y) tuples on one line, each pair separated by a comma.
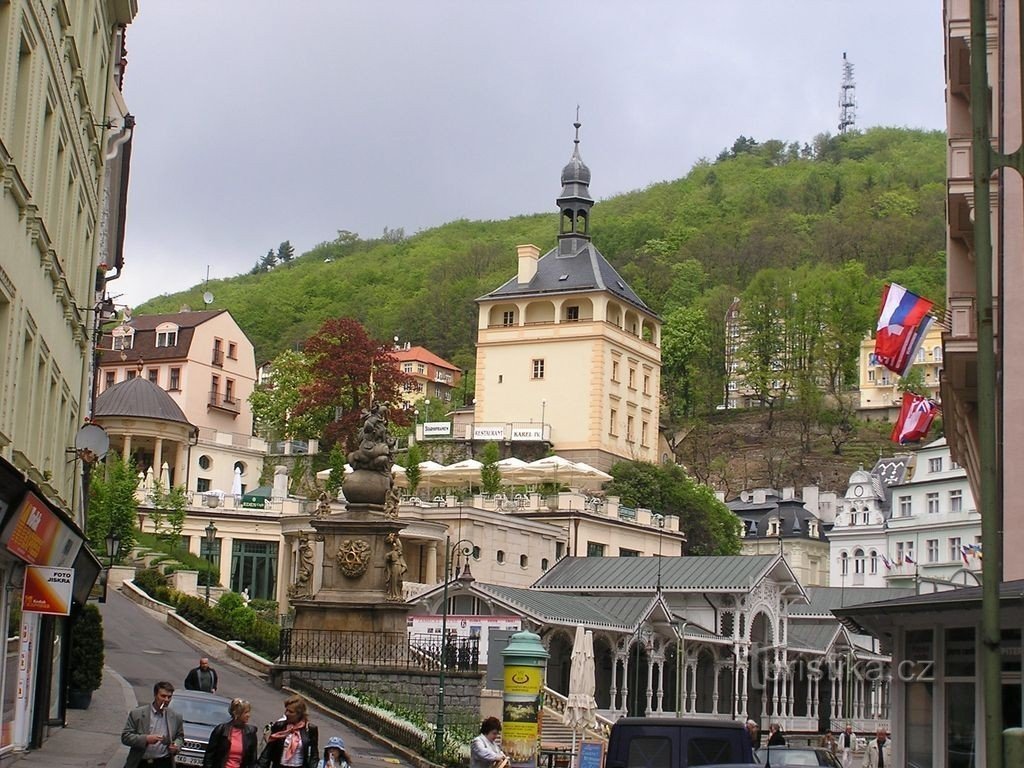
[(916, 416), (902, 325)]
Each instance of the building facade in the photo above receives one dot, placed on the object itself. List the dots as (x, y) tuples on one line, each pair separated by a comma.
[(880, 398), (64, 147), (207, 366), (567, 316), (434, 379)]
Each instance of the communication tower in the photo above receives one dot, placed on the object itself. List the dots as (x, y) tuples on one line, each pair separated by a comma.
[(847, 97)]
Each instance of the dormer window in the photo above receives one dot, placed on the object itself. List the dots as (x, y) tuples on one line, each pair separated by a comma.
[(123, 337), (773, 527), (167, 335)]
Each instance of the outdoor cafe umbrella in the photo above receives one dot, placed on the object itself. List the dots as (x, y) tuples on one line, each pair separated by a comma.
[(581, 707), (557, 469), (515, 472), (462, 472), (236, 483)]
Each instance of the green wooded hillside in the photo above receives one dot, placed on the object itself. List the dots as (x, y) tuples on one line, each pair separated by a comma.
[(875, 197)]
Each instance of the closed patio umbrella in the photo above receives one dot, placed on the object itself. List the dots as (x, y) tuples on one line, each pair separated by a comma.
[(581, 707)]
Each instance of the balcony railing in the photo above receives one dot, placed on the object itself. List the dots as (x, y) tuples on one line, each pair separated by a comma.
[(218, 357), (224, 402), (393, 649)]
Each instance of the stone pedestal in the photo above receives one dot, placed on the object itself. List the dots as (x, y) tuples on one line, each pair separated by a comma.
[(354, 594)]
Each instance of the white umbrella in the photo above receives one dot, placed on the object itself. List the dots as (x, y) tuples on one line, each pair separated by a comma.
[(465, 471), (515, 472), (581, 707), (165, 477), (236, 484), (593, 473)]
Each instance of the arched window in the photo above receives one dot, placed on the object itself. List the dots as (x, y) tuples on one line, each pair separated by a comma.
[(524, 561), (844, 563), (501, 556), (873, 563), (937, 354), (858, 561)]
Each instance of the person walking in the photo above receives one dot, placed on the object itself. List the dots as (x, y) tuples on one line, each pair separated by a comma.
[(233, 743), (202, 678), (828, 741), (154, 732), (847, 744), (293, 742), (879, 751), (484, 751), (775, 737), (755, 734)]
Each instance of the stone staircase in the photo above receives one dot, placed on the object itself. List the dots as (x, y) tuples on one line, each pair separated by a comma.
[(555, 733)]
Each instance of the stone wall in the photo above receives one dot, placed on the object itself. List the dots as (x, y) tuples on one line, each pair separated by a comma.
[(412, 688)]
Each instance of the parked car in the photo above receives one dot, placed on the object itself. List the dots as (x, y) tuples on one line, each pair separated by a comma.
[(787, 756), (668, 742), (201, 712)]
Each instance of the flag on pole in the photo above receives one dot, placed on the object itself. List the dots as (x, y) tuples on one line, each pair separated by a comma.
[(902, 325), (964, 549), (908, 558), (916, 416), (886, 562)]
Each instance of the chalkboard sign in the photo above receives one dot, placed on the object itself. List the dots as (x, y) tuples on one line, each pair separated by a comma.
[(591, 754)]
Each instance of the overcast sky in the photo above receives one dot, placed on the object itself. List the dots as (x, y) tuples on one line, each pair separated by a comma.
[(260, 121)]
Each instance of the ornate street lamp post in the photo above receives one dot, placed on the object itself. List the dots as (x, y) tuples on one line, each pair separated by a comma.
[(113, 544), (211, 540), (449, 549)]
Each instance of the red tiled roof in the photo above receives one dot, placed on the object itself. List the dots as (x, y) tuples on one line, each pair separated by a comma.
[(423, 355)]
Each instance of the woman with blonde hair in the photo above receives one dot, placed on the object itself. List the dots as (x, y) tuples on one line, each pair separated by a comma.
[(293, 741), (233, 744)]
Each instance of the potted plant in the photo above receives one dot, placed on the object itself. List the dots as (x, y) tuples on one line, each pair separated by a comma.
[(85, 657)]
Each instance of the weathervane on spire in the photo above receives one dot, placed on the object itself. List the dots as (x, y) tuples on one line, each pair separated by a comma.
[(577, 125)]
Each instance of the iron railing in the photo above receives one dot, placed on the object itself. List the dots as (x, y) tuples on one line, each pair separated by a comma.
[(323, 646)]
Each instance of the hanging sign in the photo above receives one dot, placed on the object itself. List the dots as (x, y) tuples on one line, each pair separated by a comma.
[(47, 590)]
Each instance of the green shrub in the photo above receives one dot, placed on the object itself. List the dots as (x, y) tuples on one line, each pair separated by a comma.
[(149, 580), (85, 656)]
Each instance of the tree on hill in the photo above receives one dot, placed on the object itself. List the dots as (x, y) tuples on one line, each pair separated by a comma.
[(710, 528), (285, 252), (269, 261), (348, 371)]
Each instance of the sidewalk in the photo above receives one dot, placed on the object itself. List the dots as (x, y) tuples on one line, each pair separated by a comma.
[(92, 737)]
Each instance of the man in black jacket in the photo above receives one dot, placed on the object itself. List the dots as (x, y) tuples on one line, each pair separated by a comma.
[(202, 678)]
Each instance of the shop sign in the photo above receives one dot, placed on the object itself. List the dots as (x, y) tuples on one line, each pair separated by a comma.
[(527, 433), (47, 590), (486, 432), (36, 535), (437, 429)]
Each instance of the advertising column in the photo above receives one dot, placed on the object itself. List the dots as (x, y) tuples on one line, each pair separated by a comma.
[(525, 663)]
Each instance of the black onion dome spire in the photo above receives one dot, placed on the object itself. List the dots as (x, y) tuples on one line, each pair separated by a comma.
[(575, 201)]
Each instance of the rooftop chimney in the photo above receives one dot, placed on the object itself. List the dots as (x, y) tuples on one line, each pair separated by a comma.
[(528, 255)]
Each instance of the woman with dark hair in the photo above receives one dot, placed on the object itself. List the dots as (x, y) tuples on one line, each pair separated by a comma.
[(293, 741), (484, 751), (233, 744)]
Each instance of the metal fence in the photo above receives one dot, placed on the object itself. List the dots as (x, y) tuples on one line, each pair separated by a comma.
[(394, 649)]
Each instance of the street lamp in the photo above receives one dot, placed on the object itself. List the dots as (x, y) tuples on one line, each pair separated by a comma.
[(113, 544), (543, 406), (426, 410), (449, 548), (211, 540)]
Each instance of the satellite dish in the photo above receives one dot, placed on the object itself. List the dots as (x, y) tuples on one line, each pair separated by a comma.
[(208, 298), (91, 443)]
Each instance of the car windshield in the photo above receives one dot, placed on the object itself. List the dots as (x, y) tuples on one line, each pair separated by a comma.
[(201, 711), (788, 756)]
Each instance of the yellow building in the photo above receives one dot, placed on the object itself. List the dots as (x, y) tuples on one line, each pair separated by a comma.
[(567, 353), (880, 397), (64, 146)]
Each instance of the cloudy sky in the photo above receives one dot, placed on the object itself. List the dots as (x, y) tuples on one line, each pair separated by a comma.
[(261, 121)]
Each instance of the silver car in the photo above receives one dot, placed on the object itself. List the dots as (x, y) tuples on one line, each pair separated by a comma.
[(201, 712)]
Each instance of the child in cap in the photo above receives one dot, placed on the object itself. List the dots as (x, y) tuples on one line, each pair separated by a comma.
[(335, 755)]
